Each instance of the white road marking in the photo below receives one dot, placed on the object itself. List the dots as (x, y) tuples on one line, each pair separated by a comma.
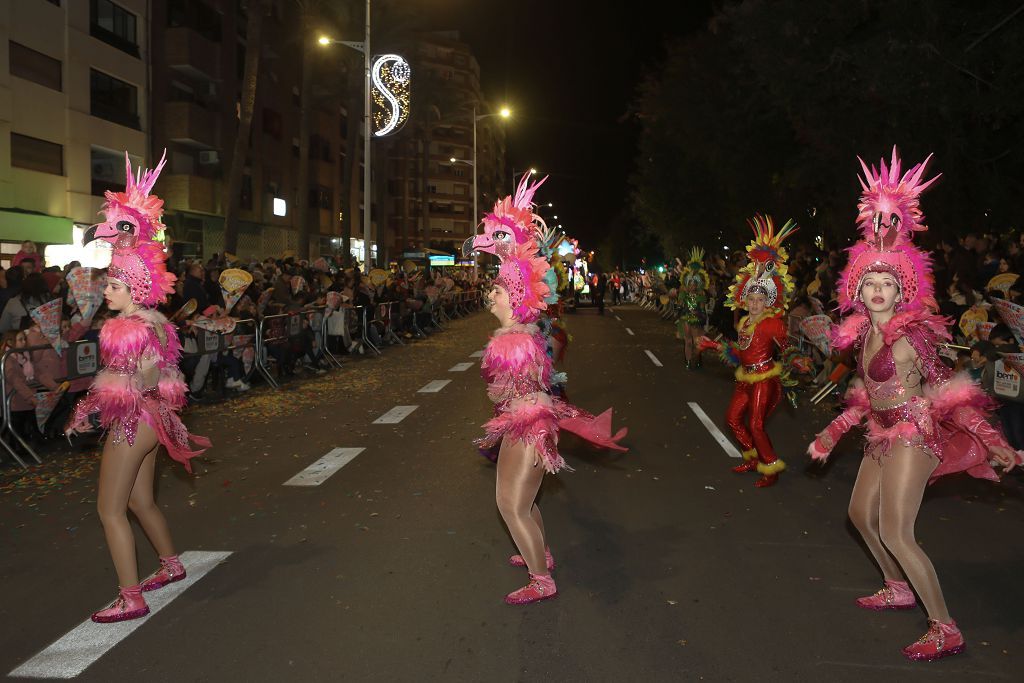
[(618, 318), (87, 642), (461, 367), (630, 332), (395, 415), (477, 354), (715, 431), (322, 469), (434, 386), (654, 359)]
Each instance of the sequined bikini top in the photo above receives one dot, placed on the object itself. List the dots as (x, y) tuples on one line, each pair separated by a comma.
[(880, 375)]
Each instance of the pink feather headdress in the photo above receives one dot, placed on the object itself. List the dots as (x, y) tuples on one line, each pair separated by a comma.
[(140, 264), (132, 212), (889, 212), (511, 222), (522, 274)]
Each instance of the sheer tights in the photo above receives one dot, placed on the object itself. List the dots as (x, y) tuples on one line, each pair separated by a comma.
[(519, 477), (126, 483), (884, 507)]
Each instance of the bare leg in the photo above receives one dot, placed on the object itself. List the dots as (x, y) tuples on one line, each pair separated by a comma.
[(863, 512), (518, 482), (119, 469), (143, 506), (905, 475)]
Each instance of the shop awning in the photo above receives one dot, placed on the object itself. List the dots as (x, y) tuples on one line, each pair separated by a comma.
[(18, 226)]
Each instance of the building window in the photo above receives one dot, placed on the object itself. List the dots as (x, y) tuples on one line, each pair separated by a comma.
[(113, 99), (35, 66), (196, 15), (107, 171), (320, 197), (113, 25), (37, 155)]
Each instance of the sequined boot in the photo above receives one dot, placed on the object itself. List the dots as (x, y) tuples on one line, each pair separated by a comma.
[(171, 570), (518, 561), (541, 587), (129, 605), (749, 462), (941, 640), (893, 595)]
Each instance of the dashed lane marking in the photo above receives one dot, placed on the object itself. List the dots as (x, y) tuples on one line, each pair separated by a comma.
[(83, 645), (630, 332), (715, 431), (654, 359), (322, 469), (461, 367), (395, 415), (618, 318), (434, 386), (477, 354)]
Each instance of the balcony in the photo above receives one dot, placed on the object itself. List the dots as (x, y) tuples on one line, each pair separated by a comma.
[(189, 124), (183, 192), (192, 54)]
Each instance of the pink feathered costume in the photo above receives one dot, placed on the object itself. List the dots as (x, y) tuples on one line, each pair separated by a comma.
[(515, 364), (132, 346), (518, 372), (950, 421), (118, 395)]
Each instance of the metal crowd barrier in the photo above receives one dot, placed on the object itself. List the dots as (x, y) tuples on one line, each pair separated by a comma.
[(209, 342), (81, 360), (291, 327)]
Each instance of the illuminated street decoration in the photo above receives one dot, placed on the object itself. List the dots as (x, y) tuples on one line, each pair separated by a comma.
[(391, 79)]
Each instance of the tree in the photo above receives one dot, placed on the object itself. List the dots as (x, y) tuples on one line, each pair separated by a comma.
[(768, 108), (233, 188)]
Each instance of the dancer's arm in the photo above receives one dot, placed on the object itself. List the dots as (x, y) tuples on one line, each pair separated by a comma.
[(857, 406)]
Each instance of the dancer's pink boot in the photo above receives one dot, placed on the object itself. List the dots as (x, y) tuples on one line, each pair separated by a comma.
[(519, 561), (893, 595), (941, 640), (541, 587), (171, 570), (129, 605)]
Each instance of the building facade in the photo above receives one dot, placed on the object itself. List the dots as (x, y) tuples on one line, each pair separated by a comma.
[(198, 62), (73, 86), (430, 202)]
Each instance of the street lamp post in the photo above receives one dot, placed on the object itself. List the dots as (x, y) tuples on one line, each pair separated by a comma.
[(363, 47), (504, 113)]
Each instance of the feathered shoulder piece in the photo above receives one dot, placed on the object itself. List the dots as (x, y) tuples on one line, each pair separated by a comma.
[(920, 322), (516, 349), (933, 328)]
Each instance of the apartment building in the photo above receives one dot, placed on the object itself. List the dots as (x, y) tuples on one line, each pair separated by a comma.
[(198, 60), (430, 197), (73, 84)]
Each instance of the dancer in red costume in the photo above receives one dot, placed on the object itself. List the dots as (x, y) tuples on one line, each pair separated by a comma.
[(518, 372), (137, 393), (922, 421), (762, 354)]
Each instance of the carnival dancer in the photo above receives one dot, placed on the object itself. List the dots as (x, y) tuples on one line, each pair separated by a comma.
[(763, 356), (518, 372), (137, 393), (923, 421), (693, 301)]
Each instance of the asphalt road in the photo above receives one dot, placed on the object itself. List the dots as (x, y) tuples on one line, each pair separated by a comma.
[(670, 567)]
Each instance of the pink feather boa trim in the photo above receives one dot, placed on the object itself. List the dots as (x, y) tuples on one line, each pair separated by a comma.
[(852, 327)]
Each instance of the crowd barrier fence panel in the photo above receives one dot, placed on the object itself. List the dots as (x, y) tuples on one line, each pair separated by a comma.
[(81, 360)]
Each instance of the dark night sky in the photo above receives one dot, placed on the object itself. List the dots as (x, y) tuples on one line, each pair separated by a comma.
[(569, 69)]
